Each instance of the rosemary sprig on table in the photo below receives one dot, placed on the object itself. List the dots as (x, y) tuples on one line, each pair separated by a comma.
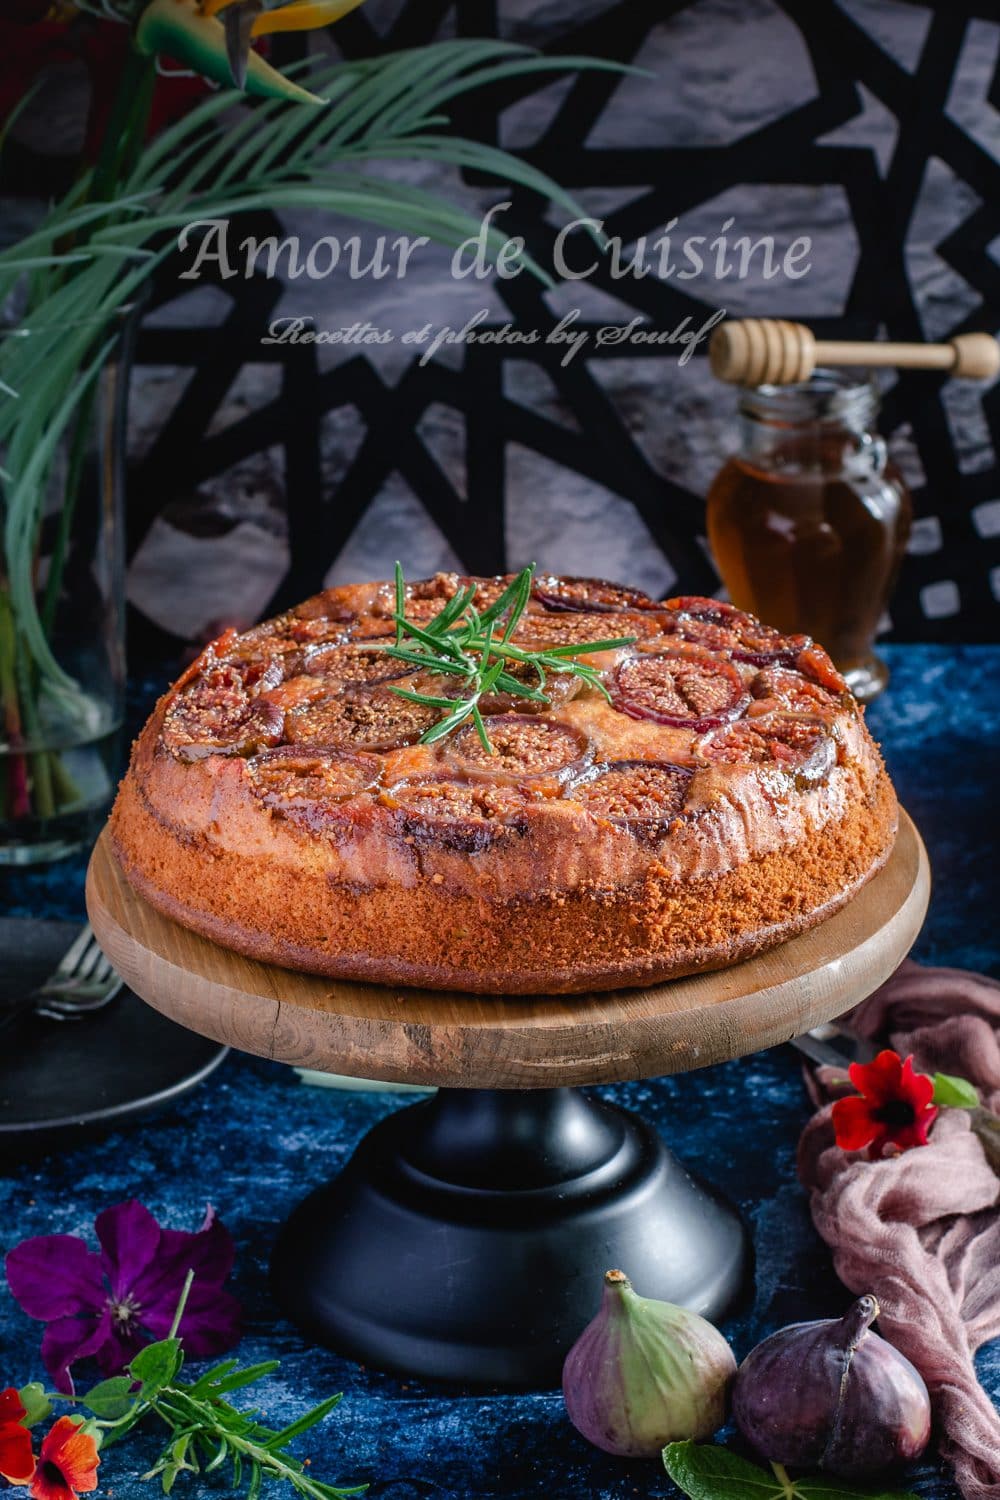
[(205, 1430), (476, 647)]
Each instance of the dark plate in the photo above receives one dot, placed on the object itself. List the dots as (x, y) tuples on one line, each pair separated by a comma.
[(58, 1079)]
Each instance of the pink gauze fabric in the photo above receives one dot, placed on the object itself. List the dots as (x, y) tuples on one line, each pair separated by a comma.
[(922, 1230)]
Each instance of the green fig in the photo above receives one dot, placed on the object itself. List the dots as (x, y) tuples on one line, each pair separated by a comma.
[(645, 1373)]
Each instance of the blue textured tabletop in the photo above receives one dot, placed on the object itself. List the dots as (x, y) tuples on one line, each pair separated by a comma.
[(253, 1141)]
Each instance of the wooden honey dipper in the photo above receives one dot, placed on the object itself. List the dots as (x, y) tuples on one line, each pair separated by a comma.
[(771, 351)]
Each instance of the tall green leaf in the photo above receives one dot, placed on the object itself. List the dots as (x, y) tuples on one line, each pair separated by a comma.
[(90, 256)]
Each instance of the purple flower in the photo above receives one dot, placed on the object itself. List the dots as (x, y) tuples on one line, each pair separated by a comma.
[(107, 1306)]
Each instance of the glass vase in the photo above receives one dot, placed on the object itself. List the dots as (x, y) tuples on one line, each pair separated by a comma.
[(62, 593)]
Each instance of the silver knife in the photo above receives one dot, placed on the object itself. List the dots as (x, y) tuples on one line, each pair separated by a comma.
[(833, 1047)]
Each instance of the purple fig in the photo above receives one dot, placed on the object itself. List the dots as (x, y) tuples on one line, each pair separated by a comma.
[(645, 1373), (833, 1395)]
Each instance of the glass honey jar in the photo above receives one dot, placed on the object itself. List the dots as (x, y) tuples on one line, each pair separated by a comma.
[(808, 522)]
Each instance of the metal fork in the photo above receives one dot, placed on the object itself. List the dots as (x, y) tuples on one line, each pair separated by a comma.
[(82, 982)]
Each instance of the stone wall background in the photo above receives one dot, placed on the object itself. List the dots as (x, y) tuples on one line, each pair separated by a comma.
[(871, 126)]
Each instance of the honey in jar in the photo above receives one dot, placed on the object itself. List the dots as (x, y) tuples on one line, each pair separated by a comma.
[(809, 521)]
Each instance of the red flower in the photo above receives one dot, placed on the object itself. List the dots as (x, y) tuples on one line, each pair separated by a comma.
[(67, 1463), (894, 1110), (17, 1462)]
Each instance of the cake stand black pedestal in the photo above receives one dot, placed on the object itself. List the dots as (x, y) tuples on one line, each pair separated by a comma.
[(468, 1236)]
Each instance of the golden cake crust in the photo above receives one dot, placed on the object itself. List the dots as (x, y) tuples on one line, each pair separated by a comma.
[(729, 796)]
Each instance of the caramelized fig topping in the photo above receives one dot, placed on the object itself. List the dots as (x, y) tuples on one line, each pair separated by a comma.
[(801, 746), (296, 782), (588, 595), (359, 719), (559, 688), (723, 627), (779, 687), (426, 597), (453, 799), (354, 662), (524, 746), (461, 814), (541, 632), (284, 635), (222, 709), (815, 662), (684, 689), (636, 793)]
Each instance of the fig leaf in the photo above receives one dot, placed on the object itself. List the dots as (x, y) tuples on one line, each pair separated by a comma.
[(705, 1471)]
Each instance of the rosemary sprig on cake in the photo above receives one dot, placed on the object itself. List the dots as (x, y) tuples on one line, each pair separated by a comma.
[(476, 647)]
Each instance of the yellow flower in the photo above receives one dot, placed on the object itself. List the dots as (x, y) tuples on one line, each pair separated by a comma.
[(192, 32), (299, 15)]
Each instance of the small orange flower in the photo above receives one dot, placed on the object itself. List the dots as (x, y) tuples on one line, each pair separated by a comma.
[(17, 1462), (67, 1463)]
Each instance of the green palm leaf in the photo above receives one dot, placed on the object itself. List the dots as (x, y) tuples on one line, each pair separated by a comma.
[(89, 258)]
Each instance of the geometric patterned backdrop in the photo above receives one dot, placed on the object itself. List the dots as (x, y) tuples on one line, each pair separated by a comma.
[(872, 125)]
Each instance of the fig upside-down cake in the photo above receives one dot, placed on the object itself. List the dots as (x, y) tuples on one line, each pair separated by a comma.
[(693, 797)]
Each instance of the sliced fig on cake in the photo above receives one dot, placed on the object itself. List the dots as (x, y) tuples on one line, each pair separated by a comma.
[(560, 687), (587, 595), (376, 627), (423, 598), (542, 632), (328, 607), (782, 688), (441, 588), (305, 785), (487, 590), (359, 719), (719, 626), (522, 747), (683, 689), (710, 623), (284, 636), (797, 744), (353, 662), (816, 663), (456, 811), (223, 710), (784, 652), (642, 795)]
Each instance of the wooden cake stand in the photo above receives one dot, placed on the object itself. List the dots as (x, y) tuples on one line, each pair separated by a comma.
[(468, 1234)]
